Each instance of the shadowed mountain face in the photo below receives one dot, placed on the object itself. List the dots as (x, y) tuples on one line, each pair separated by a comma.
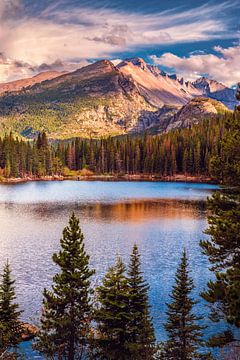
[(215, 90), (100, 99)]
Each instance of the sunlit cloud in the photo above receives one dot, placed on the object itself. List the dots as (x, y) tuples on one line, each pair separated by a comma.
[(76, 33), (222, 66)]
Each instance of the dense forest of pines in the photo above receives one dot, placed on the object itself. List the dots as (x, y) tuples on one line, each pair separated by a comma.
[(183, 151)]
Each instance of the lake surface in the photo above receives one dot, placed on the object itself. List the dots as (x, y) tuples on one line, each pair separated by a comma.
[(162, 218)]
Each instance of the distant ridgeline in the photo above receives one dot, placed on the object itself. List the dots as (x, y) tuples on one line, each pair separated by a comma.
[(183, 151)]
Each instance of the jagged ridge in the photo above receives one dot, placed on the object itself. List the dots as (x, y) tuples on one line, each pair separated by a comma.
[(101, 99)]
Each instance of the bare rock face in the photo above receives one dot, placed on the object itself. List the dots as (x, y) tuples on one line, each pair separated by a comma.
[(162, 89), (157, 88), (195, 111)]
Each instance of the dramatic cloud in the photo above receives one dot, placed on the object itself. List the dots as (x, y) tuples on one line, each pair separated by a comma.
[(72, 33), (15, 69), (223, 67)]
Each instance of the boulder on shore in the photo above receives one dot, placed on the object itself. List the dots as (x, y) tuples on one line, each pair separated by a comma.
[(29, 331)]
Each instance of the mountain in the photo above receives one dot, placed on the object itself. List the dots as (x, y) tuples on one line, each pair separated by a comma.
[(215, 90), (158, 88), (100, 99), (24, 83), (162, 89), (96, 100), (195, 111)]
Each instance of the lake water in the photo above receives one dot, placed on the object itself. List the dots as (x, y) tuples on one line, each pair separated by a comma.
[(162, 218)]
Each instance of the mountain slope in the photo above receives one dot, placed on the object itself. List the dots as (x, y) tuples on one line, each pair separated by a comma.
[(161, 89), (24, 83), (94, 101), (158, 88), (101, 99)]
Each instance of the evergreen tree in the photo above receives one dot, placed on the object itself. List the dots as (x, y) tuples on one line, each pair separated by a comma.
[(238, 95), (141, 333), (66, 308), (112, 315), (10, 325), (222, 248), (183, 331)]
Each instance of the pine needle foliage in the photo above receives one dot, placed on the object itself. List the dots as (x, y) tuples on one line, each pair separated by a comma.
[(141, 332), (184, 332), (65, 323), (10, 324), (222, 246), (112, 315)]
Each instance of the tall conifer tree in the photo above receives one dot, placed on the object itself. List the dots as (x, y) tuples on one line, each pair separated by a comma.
[(10, 325), (183, 330), (112, 315), (141, 333), (66, 308)]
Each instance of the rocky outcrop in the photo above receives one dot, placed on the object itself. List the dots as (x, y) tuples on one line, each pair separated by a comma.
[(196, 110)]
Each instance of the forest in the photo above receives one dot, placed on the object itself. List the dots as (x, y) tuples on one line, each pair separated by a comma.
[(112, 321), (182, 151)]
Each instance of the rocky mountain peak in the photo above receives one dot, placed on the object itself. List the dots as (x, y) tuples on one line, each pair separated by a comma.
[(138, 62), (208, 85), (101, 66)]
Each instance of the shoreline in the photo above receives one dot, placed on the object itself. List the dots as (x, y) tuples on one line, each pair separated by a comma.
[(126, 177)]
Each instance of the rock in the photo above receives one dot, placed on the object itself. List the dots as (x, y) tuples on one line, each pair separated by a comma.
[(29, 331), (196, 110)]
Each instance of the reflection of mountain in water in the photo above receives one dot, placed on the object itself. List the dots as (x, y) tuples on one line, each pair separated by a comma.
[(130, 211)]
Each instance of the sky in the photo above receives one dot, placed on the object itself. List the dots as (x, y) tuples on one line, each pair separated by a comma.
[(189, 38)]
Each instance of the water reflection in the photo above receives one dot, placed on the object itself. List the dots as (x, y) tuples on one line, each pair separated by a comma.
[(161, 226), (133, 211)]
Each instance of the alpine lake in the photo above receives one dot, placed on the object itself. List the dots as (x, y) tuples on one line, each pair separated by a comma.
[(162, 218)]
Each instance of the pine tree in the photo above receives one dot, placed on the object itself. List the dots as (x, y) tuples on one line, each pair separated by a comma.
[(66, 308), (112, 315), (183, 331), (222, 247), (238, 96), (10, 325), (141, 333)]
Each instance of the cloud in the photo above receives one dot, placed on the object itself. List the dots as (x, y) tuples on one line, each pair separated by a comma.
[(11, 70), (74, 33), (222, 66), (9, 9)]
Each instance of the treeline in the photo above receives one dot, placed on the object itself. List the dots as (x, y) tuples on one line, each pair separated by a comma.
[(184, 151)]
